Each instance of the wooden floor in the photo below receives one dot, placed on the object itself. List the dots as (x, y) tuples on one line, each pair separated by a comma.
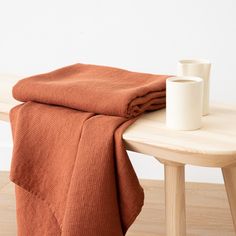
[(207, 210)]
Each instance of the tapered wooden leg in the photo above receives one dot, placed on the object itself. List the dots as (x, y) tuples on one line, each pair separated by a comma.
[(229, 174), (175, 200)]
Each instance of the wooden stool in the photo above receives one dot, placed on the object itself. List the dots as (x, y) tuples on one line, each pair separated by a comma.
[(214, 145)]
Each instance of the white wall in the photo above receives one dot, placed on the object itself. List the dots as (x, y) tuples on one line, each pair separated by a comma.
[(142, 35)]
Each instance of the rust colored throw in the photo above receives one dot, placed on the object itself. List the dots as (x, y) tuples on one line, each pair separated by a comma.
[(72, 173)]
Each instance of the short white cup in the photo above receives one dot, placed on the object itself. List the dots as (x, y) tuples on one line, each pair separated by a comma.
[(199, 68), (184, 102)]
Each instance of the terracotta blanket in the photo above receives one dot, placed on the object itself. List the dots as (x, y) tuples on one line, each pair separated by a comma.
[(72, 173)]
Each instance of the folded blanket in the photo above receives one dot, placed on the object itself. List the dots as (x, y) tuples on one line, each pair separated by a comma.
[(72, 174)]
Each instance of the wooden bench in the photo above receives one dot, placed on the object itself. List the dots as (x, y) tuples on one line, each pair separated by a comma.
[(214, 145)]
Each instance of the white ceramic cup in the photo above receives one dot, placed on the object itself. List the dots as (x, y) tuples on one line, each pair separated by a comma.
[(199, 68), (184, 102)]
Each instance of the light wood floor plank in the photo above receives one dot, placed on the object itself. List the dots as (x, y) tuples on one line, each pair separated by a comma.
[(207, 212)]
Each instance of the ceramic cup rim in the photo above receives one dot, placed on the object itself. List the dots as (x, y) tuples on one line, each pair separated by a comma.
[(192, 79), (194, 61)]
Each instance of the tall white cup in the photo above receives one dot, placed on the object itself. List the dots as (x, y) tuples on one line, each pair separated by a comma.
[(184, 102), (199, 68)]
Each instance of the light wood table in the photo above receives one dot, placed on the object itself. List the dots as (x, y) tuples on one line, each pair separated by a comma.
[(214, 145)]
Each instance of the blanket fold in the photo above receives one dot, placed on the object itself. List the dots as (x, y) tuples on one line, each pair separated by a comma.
[(72, 173)]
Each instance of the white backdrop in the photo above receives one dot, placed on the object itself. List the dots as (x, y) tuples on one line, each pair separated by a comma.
[(141, 35)]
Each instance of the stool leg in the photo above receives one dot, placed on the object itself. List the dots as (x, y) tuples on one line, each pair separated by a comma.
[(229, 174), (175, 200)]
